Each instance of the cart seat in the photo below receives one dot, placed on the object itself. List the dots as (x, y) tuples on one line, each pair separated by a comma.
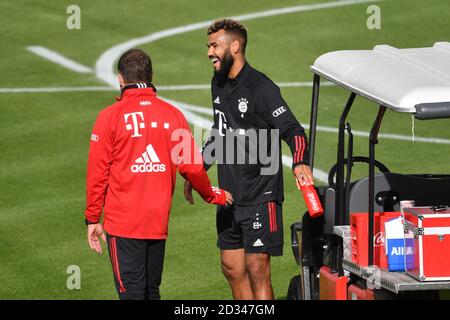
[(425, 190)]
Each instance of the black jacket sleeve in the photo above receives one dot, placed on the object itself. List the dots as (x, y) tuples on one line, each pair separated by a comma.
[(274, 110), (209, 156), (208, 160)]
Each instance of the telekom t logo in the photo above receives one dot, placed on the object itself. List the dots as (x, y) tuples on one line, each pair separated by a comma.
[(222, 122), (135, 126)]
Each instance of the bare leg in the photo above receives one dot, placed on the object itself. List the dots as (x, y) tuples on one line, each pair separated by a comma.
[(258, 267), (234, 269)]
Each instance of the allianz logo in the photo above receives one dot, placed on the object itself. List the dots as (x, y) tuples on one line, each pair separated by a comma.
[(400, 251)]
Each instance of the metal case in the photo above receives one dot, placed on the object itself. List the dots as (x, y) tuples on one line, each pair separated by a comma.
[(427, 243)]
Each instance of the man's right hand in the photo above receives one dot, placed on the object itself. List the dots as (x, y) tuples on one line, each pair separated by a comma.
[(222, 197), (188, 194), (229, 198), (94, 231)]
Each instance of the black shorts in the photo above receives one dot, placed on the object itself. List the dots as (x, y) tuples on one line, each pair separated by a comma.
[(256, 228)]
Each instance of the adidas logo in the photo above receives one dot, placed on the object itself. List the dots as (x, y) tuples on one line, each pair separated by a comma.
[(258, 243), (145, 103), (217, 100), (146, 162)]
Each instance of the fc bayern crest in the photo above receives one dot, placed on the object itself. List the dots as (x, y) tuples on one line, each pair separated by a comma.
[(242, 105)]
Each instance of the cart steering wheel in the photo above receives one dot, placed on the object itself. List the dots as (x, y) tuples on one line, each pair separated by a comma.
[(333, 169)]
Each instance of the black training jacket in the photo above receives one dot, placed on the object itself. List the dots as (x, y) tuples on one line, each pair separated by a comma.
[(247, 109)]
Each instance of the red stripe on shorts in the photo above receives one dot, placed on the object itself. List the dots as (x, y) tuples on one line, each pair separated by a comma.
[(272, 216)]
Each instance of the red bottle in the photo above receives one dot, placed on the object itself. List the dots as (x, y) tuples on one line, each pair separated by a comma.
[(312, 200)]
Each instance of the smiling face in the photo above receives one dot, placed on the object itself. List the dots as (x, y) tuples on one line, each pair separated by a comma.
[(220, 52)]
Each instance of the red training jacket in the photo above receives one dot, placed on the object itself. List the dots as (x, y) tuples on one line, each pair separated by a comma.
[(130, 173)]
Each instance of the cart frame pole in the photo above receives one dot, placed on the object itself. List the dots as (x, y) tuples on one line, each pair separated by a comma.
[(313, 120), (339, 208), (373, 140)]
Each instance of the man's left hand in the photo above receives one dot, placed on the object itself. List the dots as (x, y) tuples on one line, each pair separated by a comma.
[(303, 174)]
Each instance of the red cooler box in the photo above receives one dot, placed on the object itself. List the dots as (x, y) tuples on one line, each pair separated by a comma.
[(355, 292), (427, 243), (359, 228), (331, 286)]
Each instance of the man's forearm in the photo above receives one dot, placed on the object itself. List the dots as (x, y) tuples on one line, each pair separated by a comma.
[(95, 199), (92, 217), (298, 144)]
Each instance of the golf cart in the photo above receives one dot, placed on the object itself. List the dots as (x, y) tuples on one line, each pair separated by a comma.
[(413, 81)]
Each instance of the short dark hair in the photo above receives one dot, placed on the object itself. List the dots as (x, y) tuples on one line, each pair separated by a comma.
[(135, 66), (230, 26)]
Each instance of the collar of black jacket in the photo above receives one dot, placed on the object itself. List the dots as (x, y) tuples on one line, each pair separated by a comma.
[(141, 85), (239, 78), (243, 73)]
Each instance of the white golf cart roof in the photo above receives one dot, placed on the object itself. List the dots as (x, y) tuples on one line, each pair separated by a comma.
[(405, 80)]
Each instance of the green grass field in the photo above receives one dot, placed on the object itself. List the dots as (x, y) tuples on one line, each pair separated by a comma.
[(45, 136)]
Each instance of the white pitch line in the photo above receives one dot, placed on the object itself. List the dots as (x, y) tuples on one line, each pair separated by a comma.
[(105, 64), (187, 87), (385, 135), (57, 58), (300, 8), (307, 84), (55, 89), (183, 87), (208, 111)]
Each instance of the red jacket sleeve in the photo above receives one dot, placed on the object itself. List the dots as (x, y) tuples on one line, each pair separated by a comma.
[(190, 166), (99, 161)]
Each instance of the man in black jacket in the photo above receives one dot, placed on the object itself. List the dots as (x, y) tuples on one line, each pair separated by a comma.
[(250, 118)]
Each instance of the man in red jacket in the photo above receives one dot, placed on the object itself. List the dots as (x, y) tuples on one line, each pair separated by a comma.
[(137, 145)]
